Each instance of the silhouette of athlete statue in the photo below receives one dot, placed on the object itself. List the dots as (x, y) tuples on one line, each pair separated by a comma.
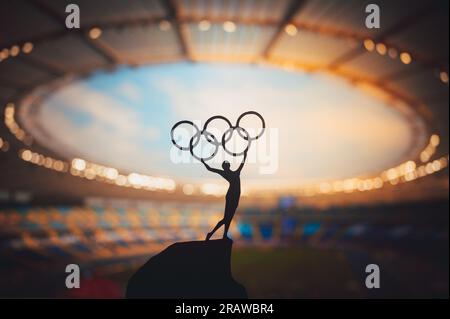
[(233, 193)]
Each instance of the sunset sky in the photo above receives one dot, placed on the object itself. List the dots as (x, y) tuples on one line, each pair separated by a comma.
[(326, 128)]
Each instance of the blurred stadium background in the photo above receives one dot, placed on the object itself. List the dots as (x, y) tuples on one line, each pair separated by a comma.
[(70, 195)]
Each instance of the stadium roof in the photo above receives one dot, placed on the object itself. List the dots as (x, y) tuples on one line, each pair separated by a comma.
[(407, 59)]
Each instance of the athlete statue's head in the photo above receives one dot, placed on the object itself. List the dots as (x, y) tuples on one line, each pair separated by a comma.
[(226, 165)]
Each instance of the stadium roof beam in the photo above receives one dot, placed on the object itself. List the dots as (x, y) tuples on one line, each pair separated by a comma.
[(403, 24), (101, 49), (172, 15), (42, 65), (398, 75), (291, 11), (11, 85), (105, 51)]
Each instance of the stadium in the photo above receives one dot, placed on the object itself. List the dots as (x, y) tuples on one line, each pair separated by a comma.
[(359, 150)]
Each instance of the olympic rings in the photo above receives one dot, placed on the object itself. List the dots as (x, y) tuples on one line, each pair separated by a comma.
[(173, 138), (226, 136), (262, 121), (220, 117), (215, 143), (231, 129)]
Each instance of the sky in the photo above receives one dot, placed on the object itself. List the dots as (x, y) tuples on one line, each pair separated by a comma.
[(325, 128)]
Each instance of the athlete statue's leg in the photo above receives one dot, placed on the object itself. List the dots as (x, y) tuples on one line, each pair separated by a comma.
[(226, 227), (219, 224), (230, 210)]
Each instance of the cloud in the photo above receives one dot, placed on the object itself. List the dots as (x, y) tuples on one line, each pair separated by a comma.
[(112, 136), (105, 110), (327, 128), (130, 91)]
